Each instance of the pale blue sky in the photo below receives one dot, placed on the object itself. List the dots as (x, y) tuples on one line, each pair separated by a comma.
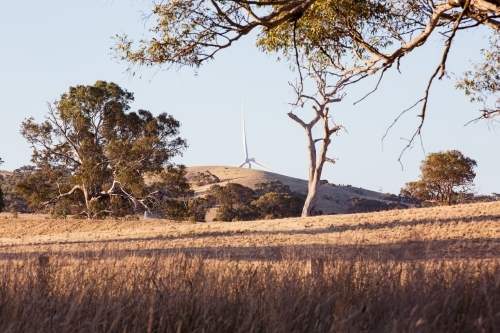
[(49, 46)]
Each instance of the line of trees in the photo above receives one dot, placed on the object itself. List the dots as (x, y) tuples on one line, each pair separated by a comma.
[(269, 200), (93, 157)]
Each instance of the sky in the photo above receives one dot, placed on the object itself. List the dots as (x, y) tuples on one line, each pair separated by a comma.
[(49, 46)]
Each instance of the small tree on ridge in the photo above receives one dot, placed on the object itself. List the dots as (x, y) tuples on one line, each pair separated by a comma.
[(445, 175)]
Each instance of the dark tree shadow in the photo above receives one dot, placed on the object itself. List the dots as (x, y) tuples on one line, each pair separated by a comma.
[(476, 248)]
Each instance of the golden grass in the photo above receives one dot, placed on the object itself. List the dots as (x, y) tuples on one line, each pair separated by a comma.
[(463, 231), (417, 270)]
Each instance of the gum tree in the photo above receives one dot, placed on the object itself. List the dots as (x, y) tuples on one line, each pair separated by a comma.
[(445, 176), (93, 152)]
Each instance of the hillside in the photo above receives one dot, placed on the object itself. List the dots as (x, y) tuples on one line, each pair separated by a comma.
[(333, 198), (5, 173)]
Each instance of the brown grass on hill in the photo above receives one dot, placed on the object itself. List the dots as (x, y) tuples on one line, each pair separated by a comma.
[(417, 270), (442, 232)]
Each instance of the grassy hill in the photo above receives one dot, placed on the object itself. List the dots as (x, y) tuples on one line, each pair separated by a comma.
[(333, 198)]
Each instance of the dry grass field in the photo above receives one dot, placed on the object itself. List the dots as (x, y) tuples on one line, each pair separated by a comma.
[(415, 270)]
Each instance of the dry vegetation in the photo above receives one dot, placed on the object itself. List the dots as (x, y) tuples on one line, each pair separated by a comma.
[(416, 270), (332, 198)]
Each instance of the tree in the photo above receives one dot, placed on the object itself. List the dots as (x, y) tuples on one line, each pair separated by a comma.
[(273, 186), (92, 152), (445, 176), (318, 37), (235, 202), (191, 32), (271, 199), (484, 82), (279, 205), (199, 206)]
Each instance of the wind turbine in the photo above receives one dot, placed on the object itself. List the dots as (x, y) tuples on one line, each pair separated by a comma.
[(249, 160)]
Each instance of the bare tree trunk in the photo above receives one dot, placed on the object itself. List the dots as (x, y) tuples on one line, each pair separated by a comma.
[(316, 162), (313, 180)]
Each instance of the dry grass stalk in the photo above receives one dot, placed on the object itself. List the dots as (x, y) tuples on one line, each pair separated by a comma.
[(181, 294)]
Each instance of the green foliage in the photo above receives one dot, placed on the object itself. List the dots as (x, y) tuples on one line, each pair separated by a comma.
[(235, 202), (484, 81), (363, 205), (270, 200), (279, 205), (272, 186), (12, 198), (446, 177), (59, 211), (332, 27), (198, 207), (91, 149)]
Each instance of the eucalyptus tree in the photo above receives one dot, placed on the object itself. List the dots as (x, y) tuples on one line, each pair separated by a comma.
[(445, 176), (191, 32), (91, 151), (333, 43)]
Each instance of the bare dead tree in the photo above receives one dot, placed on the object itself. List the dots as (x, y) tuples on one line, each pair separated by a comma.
[(320, 74)]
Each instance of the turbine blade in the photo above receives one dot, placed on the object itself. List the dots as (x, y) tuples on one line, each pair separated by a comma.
[(245, 149), (263, 166), (242, 164)]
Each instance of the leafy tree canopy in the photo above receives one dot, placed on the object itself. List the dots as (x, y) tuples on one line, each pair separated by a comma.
[(279, 205), (235, 202), (271, 199), (445, 177), (92, 152)]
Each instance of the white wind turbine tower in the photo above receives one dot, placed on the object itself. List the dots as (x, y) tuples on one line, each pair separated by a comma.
[(249, 160)]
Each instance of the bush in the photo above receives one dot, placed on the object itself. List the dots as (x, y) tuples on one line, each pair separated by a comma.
[(205, 178), (271, 199), (279, 205), (235, 202), (198, 208), (362, 205)]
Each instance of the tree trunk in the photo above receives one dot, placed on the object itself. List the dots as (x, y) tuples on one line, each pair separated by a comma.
[(315, 162), (313, 180)]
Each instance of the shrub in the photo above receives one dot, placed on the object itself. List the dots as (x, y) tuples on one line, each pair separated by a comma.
[(279, 205), (362, 205), (205, 178)]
